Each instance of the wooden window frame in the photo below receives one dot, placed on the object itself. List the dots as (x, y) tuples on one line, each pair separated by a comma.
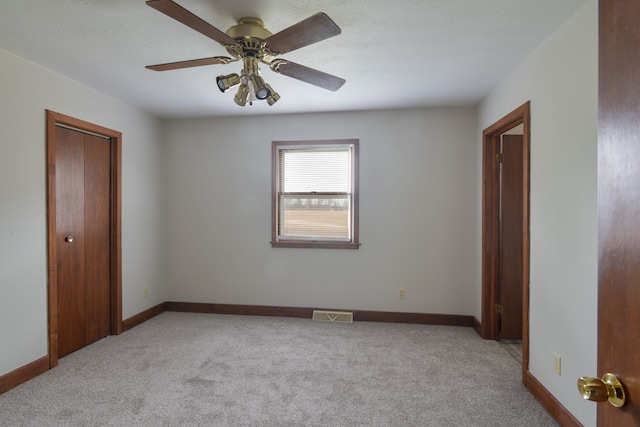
[(276, 242)]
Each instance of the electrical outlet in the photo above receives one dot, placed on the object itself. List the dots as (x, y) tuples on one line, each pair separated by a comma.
[(145, 292), (557, 364), (402, 293)]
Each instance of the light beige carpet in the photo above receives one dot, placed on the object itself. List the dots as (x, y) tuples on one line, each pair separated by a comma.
[(181, 369)]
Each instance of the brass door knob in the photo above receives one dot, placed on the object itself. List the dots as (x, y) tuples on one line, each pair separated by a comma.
[(609, 388)]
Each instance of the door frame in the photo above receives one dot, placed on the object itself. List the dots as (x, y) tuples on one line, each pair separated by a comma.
[(491, 226), (115, 309)]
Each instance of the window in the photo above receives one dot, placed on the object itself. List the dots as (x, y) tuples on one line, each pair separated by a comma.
[(315, 194)]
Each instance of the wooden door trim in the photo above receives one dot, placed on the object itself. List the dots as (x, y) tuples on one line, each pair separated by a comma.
[(53, 119), (490, 226)]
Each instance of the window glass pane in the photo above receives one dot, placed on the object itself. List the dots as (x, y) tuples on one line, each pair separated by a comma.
[(315, 217)]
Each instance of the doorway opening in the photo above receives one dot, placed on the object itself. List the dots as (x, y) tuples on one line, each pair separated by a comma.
[(112, 247), (505, 230)]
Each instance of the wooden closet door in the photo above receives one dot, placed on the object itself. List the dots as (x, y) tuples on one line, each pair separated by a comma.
[(83, 238), (97, 246)]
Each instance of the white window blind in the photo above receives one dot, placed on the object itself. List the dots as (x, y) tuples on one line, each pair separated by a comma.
[(315, 193)]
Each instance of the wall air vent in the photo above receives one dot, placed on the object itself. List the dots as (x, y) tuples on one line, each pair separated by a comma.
[(333, 316)]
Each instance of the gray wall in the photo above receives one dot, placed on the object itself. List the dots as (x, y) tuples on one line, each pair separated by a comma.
[(418, 213), (27, 90), (561, 80)]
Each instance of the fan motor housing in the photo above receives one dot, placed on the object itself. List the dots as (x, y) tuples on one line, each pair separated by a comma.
[(249, 27), (249, 34)]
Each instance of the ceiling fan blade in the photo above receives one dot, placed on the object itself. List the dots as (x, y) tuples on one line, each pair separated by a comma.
[(180, 14), (308, 75), (190, 63), (312, 30)]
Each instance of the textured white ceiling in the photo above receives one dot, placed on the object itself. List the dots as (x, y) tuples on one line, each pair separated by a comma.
[(392, 53)]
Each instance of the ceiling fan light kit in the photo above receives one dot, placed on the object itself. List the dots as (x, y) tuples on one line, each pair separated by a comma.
[(227, 82), (250, 42), (252, 86)]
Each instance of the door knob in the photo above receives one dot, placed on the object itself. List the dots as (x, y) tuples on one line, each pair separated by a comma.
[(68, 239), (609, 388)]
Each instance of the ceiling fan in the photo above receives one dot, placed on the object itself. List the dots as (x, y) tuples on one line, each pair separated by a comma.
[(250, 42)]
